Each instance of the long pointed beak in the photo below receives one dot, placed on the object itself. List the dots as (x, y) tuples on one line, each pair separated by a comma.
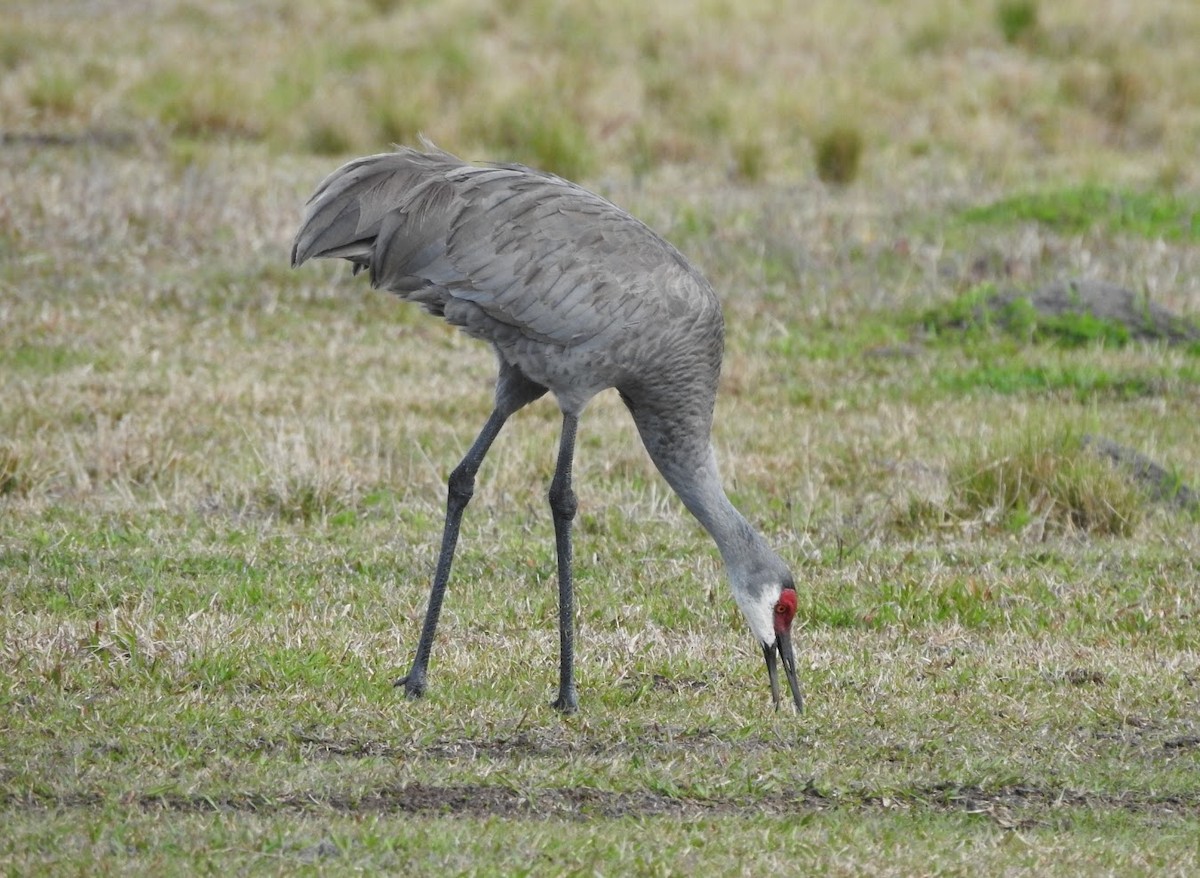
[(782, 647)]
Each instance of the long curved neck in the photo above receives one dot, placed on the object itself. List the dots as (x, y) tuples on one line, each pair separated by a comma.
[(697, 481), (684, 455)]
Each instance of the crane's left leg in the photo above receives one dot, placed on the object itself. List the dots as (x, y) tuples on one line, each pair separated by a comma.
[(513, 391), (563, 506)]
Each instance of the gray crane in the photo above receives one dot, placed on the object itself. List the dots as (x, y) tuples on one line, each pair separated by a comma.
[(575, 296)]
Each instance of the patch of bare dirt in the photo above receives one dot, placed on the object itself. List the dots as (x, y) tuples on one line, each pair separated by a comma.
[(550, 743), (1013, 806)]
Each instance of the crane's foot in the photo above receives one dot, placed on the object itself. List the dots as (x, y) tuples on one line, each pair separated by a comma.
[(414, 685), (566, 702)]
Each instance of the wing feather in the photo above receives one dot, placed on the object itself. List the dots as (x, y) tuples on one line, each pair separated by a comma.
[(537, 255)]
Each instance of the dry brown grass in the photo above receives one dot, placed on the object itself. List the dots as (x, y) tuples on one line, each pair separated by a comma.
[(737, 88)]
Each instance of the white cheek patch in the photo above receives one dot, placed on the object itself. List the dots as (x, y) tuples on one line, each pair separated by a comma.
[(759, 611)]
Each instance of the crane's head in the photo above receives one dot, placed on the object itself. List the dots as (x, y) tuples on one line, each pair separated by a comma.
[(770, 609)]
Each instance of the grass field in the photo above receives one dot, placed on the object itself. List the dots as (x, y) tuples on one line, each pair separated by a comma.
[(221, 481)]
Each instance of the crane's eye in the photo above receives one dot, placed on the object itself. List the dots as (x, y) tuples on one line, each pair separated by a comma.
[(780, 609)]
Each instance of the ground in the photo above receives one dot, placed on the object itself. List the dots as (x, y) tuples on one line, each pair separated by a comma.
[(222, 481)]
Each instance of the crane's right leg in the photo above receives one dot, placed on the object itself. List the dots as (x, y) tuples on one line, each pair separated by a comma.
[(513, 391)]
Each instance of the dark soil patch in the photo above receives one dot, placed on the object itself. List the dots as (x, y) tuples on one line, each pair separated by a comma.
[(1183, 742), (549, 743), (1012, 806), (663, 683), (563, 803)]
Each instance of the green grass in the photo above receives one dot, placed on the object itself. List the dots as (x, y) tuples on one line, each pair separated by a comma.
[(422, 845), (222, 482), (200, 720), (981, 315), (1017, 19), (1048, 480), (1088, 208), (839, 153)]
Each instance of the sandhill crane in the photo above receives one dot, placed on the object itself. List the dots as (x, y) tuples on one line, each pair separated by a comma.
[(576, 296)]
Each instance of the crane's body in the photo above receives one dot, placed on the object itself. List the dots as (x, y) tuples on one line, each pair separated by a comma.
[(575, 296)]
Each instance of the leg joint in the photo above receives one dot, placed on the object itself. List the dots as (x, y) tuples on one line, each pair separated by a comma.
[(562, 501), (462, 484)]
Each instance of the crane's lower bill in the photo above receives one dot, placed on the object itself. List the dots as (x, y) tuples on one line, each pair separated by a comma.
[(782, 648)]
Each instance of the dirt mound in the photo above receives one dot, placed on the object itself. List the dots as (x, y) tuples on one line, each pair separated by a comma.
[(1106, 304), (1160, 483)]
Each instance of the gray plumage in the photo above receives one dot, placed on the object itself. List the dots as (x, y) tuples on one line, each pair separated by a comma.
[(575, 296)]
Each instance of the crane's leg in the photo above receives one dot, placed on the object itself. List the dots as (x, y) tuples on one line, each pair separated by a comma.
[(513, 392), (461, 488), (563, 506)]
